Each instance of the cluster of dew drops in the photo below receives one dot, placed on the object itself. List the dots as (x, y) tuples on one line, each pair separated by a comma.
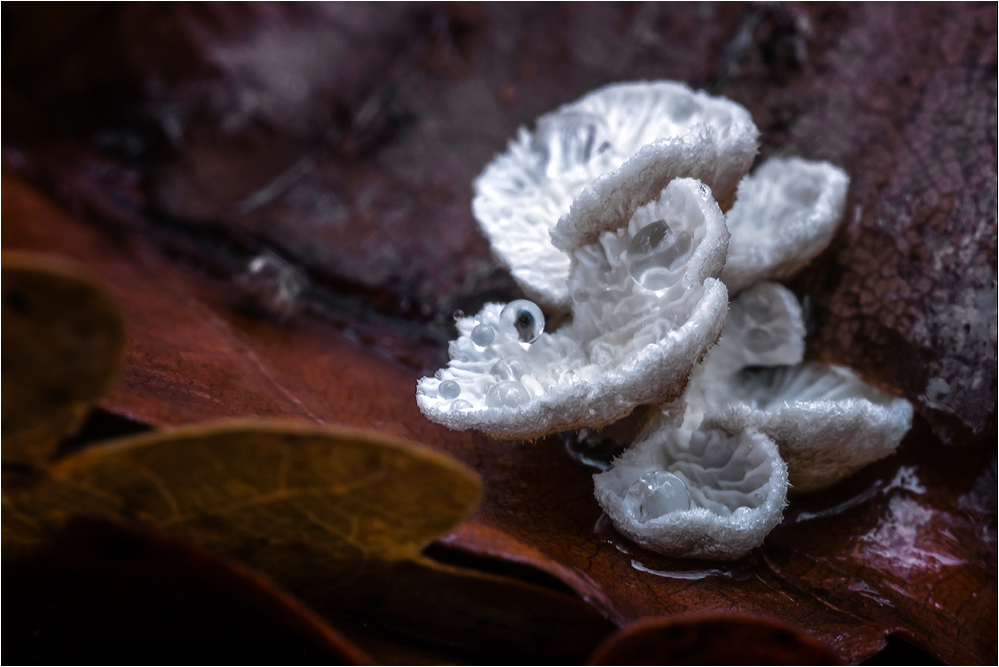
[(522, 320)]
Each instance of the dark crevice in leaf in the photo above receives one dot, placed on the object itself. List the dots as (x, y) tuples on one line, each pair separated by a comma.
[(446, 555), (900, 652), (101, 425)]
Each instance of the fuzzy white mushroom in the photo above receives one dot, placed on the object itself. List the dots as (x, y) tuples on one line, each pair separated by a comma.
[(714, 492), (646, 307), (827, 422), (784, 215), (639, 135)]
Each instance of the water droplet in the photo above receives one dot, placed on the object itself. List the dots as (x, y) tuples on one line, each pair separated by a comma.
[(758, 340), (592, 448), (704, 191), (501, 369), (507, 394), (448, 389), (581, 296), (483, 335), (522, 320), (758, 307), (460, 405), (518, 368), (569, 377), (655, 494), (657, 255), (458, 314)]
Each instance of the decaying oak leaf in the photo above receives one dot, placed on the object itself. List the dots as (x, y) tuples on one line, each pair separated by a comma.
[(63, 347), (713, 640), (308, 506), (109, 593)]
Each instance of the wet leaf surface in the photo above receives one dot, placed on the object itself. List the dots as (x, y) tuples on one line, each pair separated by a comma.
[(114, 594), (360, 182), (65, 344)]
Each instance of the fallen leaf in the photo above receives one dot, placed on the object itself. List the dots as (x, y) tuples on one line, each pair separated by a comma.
[(64, 344), (111, 593), (712, 640), (309, 506)]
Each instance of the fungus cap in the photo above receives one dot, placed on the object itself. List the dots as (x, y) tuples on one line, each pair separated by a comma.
[(827, 422), (735, 480), (649, 131), (630, 343), (786, 212)]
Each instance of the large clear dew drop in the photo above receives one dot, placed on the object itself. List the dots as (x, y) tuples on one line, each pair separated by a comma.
[(758, 340), (522, 320), (658, 255), (655, 494), (448, 389), (483, 335), (461, 405), (509, 394), (759, 307)]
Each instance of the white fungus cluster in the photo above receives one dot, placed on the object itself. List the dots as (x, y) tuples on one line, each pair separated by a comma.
[(647, 304), (612, 209), (657, 131)]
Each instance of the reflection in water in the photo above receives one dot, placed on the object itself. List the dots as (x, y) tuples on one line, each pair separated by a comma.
[(896, 539), (691, 574), (905, 479)]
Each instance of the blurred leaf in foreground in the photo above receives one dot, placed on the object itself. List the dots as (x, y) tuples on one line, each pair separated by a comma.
[(63, 344), (309, 506)]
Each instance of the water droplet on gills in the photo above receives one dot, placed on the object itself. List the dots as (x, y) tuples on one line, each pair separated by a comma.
[(657, 255), (502, 370), (655, 494), (448, 389), (461, 405), (759, 308), (522, 320), (758, 340), (509, 394), (483, 335), (458, 314)]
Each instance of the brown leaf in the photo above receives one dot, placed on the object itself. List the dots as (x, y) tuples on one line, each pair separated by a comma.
[(374, 211), (63, 343), (111, 594), (712, 640)]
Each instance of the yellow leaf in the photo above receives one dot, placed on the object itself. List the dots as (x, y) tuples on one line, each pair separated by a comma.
[(309, 506)]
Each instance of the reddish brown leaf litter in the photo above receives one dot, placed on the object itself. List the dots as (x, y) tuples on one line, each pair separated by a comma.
[(539, 508), (902, 97)]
